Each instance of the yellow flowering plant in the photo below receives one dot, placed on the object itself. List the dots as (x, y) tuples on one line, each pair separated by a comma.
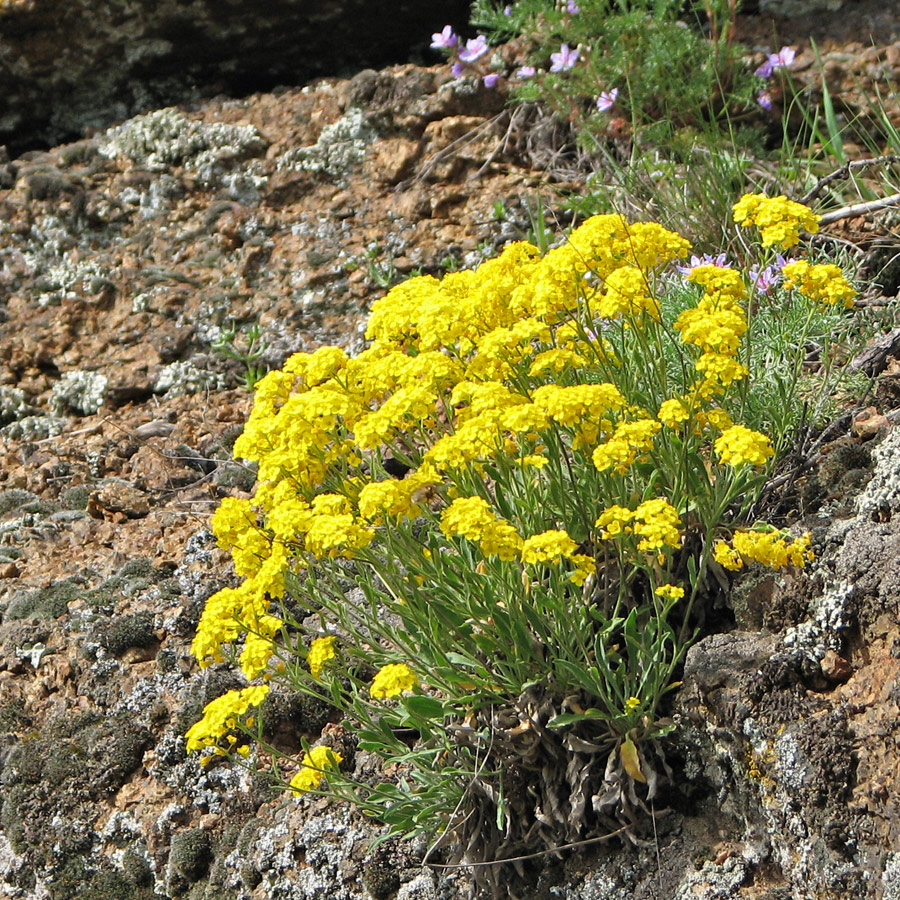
[(485, 539)]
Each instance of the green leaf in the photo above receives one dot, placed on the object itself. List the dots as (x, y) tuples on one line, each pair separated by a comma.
[(571, 718), (459, 660), (424, 707)]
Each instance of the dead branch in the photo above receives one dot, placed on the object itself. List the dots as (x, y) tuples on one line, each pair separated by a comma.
[(844, 172)]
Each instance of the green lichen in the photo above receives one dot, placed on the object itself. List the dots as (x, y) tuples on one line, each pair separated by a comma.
[(45, 603), (136, 868), (190, 854), (75, 882), (76, 497), (13, 498), (135, 630)]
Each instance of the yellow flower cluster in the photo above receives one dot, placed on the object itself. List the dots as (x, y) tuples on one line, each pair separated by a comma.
[(320, 652), (627, 441), (779, 220), (439, 347), (473, 519), (472, 378), (221, 715), (716, 325), (627, 294), (824, 283), (655, 521), (547, 547), (316, 765), (392, 680), (738, 445), (771, 548)]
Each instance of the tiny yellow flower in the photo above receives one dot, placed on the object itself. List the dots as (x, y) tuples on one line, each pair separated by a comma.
[(671, 591), (632, 703), (316, 764), (779, 220), (320, 652), (392, 680), (547, 547), (738, 445)]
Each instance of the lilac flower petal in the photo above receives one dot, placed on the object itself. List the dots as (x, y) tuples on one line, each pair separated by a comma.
[(764, 99), (765, 70), (721, 261), (444, 39), (526, 72), (786, 56), (490, 80), (564, 60), (606, 99), (458, 68), (475, 48), (572, 8)]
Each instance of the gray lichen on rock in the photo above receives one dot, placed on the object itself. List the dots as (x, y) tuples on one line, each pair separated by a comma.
[(78, 392), (166, 138), (34, 428), (183, 377), (341, 146), (58, 281), (13, 404), (882, 493)]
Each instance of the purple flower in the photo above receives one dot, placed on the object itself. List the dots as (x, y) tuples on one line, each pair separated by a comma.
[(606, 99), (475, 48), (784, 57), (573, 8), (458, 69), (766, 279), (490, 80), (507, 10), (444, 39), (564, 60), (526, 72), (721, 261), (764, 99)]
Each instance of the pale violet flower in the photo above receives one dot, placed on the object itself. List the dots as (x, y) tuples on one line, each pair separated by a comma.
[(490, 80), (458, 69), (526, 72), (764, 99), (573, 8), (444, 39), (606, 99), (766, 279), (784, 57), (721, 261), (507, 10), (475, 48), (564, 60)]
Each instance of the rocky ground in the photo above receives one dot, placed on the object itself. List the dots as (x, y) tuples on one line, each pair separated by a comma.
[(126, 258)]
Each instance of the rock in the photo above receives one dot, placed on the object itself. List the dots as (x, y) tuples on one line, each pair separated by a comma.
[(795, 8), (835, 668), (118, 496), (68, 66)]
